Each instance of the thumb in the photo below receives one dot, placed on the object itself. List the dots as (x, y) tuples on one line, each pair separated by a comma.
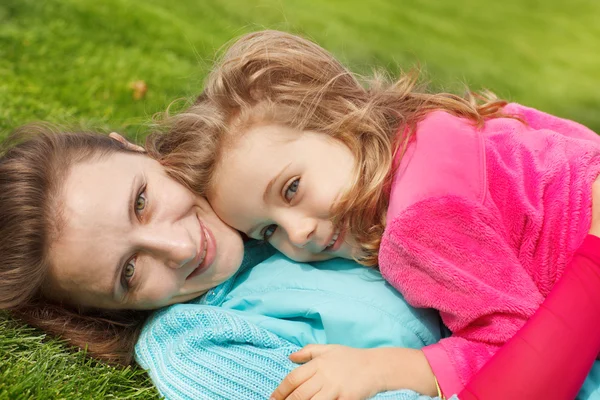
[(127, 143), (595, 228)]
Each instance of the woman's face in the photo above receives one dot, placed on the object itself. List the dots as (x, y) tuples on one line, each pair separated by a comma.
[(131, 237)]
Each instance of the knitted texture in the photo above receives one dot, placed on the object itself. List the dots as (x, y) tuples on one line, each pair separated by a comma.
[(212, 353), (206, 349), (208, 353)]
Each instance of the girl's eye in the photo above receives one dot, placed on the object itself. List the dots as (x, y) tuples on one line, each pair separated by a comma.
[(128, 272), (292, 189), (268, 232), (140, 202)]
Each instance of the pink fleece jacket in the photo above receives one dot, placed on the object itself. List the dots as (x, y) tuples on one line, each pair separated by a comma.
[(482, 223)]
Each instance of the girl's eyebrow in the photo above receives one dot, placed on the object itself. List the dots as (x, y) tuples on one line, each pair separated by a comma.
[(272, 181), (268, 189)]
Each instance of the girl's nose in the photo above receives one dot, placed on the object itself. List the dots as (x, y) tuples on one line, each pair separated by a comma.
[(300, 231)]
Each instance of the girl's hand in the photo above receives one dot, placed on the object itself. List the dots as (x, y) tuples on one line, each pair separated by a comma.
[(595, 228), (332, 372)]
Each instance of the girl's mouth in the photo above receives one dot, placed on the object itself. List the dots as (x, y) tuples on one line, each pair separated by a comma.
[(335, 242)]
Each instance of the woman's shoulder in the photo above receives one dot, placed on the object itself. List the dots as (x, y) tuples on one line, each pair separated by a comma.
[(446, 157), (281, 276), (333, 293)]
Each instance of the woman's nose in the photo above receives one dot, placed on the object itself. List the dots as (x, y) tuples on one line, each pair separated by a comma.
[(175, 247)]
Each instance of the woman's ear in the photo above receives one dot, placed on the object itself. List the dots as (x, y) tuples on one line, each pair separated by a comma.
[(127, 143)]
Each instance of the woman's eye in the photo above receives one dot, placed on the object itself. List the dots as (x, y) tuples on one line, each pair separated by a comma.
[(128, 272), (291, 190), (140, 202), (268, 232)]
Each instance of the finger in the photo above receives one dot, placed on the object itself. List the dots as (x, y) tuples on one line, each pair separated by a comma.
[(292, 381), (309, 352), (326, 393), (596, 196), (307, 390), (119, 138), (301, 356), (595, 225)]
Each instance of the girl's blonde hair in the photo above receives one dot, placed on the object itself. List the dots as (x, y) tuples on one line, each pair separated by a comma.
[(272, 77), (34, 161)]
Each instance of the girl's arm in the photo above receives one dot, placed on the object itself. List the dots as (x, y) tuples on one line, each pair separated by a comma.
[(552, 354), (451, 254), (495, 299)]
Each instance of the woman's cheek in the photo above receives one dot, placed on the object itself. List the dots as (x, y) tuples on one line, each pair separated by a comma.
[(159, 291)]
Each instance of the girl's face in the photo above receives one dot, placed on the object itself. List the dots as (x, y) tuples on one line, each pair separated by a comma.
[(280, 184), (131, 237)]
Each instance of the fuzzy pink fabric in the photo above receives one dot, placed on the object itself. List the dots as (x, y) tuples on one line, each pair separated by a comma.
[(481, 224)]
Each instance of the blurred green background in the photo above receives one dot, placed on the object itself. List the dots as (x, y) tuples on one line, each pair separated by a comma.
[(77, 61), (74, 60)]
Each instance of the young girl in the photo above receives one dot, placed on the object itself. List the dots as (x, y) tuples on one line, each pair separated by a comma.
[(474, 208)]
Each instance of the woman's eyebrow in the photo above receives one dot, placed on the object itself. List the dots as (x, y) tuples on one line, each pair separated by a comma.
[(132, 199), (130, 217), (116, 281)]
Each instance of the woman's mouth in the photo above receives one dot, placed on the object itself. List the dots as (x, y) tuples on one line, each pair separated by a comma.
[(207, 253), (203, 255)]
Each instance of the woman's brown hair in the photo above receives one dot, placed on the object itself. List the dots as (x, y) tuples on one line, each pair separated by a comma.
[(272, 77), (34, 161)]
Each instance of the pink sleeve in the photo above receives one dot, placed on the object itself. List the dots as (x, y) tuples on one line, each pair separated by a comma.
[(447, 253), (563, 332)]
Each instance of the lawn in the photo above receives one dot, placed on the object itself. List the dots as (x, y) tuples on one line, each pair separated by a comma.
[(75, 62)]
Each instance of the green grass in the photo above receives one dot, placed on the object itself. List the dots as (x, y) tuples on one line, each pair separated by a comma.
[(72, 61), (33, 366)]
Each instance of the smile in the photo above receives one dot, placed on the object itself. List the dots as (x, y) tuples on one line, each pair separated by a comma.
[(335, 242), (333, 239), (203, 256), (208, 253)]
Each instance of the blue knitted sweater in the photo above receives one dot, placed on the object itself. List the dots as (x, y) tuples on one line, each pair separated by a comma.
[(234, 342)]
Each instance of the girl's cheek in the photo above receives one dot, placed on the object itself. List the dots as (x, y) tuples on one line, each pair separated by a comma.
[(286, 248), (277, 243)]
